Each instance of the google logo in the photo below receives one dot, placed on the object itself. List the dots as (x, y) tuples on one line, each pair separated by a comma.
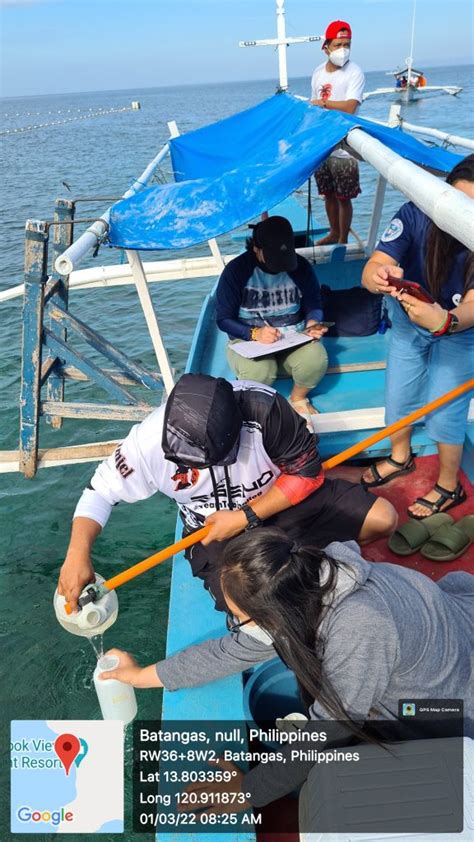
[(26, 814)]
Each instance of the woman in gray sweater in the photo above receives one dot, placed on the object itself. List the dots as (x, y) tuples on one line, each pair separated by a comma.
[(359, 636)]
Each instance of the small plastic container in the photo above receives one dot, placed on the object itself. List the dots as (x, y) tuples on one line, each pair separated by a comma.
[(117, 700)]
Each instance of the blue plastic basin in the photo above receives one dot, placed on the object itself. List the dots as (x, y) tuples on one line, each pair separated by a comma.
[(271, 692)]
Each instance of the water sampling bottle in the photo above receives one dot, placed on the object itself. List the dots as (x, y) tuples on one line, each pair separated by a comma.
[(94, 617), (117, 700)]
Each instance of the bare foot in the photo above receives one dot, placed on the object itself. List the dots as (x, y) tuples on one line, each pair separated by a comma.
[(329, 240), (303, 407), (384, 468)]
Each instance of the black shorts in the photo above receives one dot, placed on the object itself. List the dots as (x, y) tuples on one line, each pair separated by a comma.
[(335, 512), (338, 177)]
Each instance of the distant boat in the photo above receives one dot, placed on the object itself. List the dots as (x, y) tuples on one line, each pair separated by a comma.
[(411, 84)]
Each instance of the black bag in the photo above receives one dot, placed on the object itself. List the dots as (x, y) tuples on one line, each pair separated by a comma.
[(355, 311)]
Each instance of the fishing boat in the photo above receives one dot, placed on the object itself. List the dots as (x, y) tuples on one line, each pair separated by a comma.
[(225, 176), (411, 84)]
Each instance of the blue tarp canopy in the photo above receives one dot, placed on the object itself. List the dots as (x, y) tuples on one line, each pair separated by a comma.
[(231, 171)]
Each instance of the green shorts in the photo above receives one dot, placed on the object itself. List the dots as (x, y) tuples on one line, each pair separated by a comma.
[(306, 364)]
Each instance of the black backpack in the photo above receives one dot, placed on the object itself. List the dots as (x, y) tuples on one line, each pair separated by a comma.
[(355, 311)]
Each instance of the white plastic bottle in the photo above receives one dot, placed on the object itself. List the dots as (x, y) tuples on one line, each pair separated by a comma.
[(117, 700)]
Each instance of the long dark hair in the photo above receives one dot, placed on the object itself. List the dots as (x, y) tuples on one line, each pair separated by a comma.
[(278, 584), (441, 247)]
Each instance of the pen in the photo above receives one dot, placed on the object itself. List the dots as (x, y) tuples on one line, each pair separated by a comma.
[(263, 320)]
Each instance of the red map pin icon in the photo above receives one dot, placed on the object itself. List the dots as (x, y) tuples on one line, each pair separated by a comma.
[(67, 747)]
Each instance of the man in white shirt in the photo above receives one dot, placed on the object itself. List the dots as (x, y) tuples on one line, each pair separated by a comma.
[(338, 84), (232, 456)]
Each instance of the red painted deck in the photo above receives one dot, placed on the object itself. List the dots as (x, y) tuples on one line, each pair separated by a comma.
[(401, 492)]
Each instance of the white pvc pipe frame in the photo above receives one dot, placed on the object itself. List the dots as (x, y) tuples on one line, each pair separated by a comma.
[(449, 208), (71, 257), (451, 139)]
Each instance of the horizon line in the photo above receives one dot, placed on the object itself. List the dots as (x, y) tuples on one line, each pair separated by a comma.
[(208, 84)]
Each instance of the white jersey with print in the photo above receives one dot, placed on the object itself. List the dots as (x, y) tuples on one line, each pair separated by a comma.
[(138, 469), (345, 83)]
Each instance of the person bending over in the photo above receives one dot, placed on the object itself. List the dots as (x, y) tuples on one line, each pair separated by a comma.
[(359, 636), (232, 456)]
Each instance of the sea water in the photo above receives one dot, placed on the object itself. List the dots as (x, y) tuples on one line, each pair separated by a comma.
[(97, 643), (52, 678)]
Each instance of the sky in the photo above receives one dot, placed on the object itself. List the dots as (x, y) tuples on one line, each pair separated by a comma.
[(62, 46)]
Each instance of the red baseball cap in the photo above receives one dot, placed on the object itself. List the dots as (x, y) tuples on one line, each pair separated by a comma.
[(338, 29)]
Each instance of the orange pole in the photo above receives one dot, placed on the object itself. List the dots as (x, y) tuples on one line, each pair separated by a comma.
[(195, 537), (398, 425), (157, 558)]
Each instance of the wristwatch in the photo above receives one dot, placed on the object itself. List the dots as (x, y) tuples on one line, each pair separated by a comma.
[(253, 520), (453, 324)]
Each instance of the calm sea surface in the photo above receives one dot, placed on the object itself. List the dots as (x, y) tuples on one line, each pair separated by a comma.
[(47, 673)]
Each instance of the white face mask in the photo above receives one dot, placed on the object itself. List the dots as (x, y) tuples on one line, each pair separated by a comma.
[(257, 633), (339, 57)]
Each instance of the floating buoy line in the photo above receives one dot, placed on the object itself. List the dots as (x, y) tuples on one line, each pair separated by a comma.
[(85, 114)]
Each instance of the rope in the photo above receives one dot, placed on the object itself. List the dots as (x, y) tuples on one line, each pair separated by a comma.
[(101, 113)]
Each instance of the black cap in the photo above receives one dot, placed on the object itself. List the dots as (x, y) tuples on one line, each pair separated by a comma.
[(202, 422), (276, 239)]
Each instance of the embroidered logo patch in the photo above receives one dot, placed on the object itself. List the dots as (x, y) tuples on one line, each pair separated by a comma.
[(392, 231)]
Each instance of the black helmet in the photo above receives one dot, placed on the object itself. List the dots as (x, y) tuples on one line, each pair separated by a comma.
[(202, 422)]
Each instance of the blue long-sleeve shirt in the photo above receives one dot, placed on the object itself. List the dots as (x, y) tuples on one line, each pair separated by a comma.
[(247, 296)]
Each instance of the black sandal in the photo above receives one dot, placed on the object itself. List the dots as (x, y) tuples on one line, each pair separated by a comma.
[(457, 497), (405, 467)]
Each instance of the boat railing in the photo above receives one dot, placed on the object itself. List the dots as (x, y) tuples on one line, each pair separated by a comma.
[(184, 269), (446, 138)]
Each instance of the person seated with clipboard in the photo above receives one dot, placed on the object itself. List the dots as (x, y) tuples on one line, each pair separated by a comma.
[(432, 340), (264, 293)]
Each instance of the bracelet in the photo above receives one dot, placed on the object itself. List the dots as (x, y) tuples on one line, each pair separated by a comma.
[(438, 331), (253, 333)]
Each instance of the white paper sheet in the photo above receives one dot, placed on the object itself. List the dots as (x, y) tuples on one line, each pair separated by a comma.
[(252, 350)]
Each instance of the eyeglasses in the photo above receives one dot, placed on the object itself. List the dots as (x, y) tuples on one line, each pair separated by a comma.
[(232, 626)]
